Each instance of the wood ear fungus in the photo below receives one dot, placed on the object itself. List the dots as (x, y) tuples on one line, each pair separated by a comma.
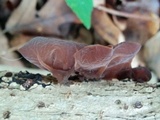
[(64, 58), (52, 54)]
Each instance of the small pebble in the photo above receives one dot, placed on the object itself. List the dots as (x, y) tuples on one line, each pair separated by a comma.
[(89, 93), (125, 107), (34, 86), (138, 104), (6, 114), (4, 85), (12, 94), (14, 85), (6, 79), (22, 88), (41, 104), (118, 102), (28, 83), (149, 89), (49, 87), (8, 74)]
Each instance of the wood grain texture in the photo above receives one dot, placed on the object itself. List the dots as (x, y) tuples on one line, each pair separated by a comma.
[(100, 100)]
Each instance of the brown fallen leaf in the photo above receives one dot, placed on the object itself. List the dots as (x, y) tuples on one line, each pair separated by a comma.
[(120, 23), (45, 21), (19, 40), (134, 5), (105, 27), (142, 18), (7, 57), (141, 30), (22, 15)]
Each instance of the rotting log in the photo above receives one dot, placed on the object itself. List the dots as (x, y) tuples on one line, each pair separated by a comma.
[(111, 100)]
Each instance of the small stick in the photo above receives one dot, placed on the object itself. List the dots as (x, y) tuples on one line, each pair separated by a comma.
[(124, 14)]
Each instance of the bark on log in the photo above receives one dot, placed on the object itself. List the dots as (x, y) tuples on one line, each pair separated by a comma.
[(111, 100)]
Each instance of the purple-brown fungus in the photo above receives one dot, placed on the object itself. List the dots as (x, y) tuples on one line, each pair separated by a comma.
[(64, 58), (52, 54)]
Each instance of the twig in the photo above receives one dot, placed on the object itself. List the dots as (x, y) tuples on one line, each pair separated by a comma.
[(124, 14)]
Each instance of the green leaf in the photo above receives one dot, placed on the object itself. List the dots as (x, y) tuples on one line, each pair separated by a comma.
[(83, 10)]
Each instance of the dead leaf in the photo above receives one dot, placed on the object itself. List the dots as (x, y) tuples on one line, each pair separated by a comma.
[(120, 23), (105, 27), (24, 14), (20, 39), (132, 6), (141, 30), (84, 36), (7, 57), (46, 21)]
